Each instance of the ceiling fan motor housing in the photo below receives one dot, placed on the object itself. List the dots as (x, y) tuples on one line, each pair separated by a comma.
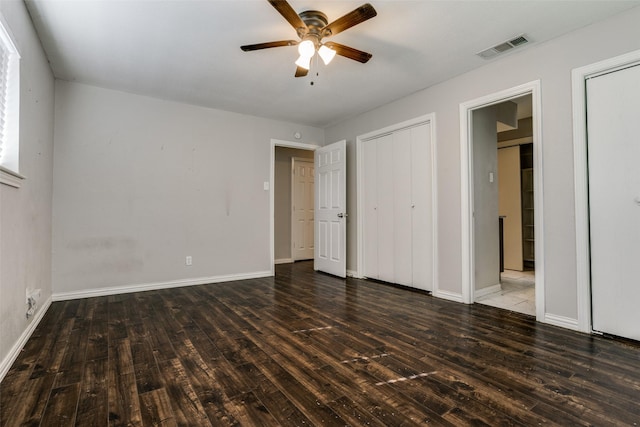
[(315, 21)]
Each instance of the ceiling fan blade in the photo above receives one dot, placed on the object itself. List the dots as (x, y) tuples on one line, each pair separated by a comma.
[(258, 46), (355, 17), (349, 52), (301, 72), (290, 15)]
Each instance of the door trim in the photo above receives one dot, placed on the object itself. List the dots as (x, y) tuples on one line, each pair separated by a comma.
[(466, 182), (272, 167), (361, 139), (581, 176)]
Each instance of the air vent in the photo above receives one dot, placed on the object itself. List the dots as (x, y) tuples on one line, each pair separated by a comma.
[(503, 47)]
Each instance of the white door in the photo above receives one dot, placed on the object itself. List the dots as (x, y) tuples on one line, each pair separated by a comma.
[(421, 208), (386, 221), (302, 183), (370, 208), (402, 233), (613, 109), (331, 203)]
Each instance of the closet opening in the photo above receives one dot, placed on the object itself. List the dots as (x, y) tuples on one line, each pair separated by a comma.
[(502, 201)]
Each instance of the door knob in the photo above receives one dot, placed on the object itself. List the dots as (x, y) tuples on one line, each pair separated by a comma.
[(637, 200), (342, 215)]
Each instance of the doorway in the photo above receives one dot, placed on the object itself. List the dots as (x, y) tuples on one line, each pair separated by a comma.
[(515, 290), (482, 276), (302, 206), (280, 183)]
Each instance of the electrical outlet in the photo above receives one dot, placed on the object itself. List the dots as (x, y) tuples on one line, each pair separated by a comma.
[(188, 260)]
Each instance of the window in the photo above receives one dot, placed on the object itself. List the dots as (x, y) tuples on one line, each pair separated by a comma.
[(9, 108)]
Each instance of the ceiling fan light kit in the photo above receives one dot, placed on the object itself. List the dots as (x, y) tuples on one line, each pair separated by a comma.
[(312, 26)]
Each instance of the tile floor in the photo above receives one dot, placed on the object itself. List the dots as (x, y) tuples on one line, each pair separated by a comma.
[(518, 293)]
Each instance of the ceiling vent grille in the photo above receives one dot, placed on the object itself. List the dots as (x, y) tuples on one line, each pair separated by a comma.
[(503, 47)]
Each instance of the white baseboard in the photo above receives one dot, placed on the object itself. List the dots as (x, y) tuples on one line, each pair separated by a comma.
[(488, 290), (88, 293), (17, 347), (283, 261), (561, 321), (353, 273), (451, 296)]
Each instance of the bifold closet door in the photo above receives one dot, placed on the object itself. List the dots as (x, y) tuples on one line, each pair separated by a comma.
[(386, 208), (402, 207), (370, 209), (613, 108), (421, 208)]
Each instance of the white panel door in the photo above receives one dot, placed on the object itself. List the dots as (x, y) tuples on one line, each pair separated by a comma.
[(613, 109), (370, 208), (330, 209), (402, 207), (386, 222), (302, 210), (421, 211)]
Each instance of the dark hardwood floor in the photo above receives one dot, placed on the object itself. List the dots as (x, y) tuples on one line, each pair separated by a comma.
[(309, 349)]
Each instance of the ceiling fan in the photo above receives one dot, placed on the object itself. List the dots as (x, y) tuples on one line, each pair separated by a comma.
[(312, 26)]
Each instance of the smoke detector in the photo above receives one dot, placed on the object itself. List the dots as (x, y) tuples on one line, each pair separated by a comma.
[(503, 47)]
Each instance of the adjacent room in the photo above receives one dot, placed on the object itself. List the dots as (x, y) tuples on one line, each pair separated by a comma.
[(286, 213)]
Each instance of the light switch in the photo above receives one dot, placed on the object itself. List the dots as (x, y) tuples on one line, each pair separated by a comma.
[(490, 176), (265, 185)]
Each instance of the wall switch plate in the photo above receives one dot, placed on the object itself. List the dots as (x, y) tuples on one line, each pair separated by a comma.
[(265, 185), (490, 176), (188, 260)]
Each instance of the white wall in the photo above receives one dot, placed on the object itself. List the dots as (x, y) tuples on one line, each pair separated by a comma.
[(141, 183), (25, 212), (550, 62)]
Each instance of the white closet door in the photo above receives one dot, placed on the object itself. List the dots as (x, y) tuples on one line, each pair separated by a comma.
[(402, 207), (421, 217), (386, 223), (613, 108), (370, 206)]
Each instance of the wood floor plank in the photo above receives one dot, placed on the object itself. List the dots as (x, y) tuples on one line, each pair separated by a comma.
[(61, 408), (155, 408), (306, 348), (186, 405), (27, 406), (124, 404), (93, 408)]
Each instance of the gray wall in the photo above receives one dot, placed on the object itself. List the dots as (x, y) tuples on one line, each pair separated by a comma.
[(549, 62), (25, 213), (141, 183), (282, 199)]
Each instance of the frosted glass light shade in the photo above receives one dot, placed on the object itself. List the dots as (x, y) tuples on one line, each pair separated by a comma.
[(306, 49), (304, 62), (327, 54)]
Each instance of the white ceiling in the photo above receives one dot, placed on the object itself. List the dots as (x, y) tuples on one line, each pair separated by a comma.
[(189, 50)]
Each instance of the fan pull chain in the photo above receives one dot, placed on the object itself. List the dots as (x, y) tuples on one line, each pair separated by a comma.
[(316, 67)]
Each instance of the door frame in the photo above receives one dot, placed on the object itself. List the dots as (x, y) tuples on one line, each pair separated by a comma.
[(467, 186), (295, 160), (362, 139), (272, 167), (581, 176)]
